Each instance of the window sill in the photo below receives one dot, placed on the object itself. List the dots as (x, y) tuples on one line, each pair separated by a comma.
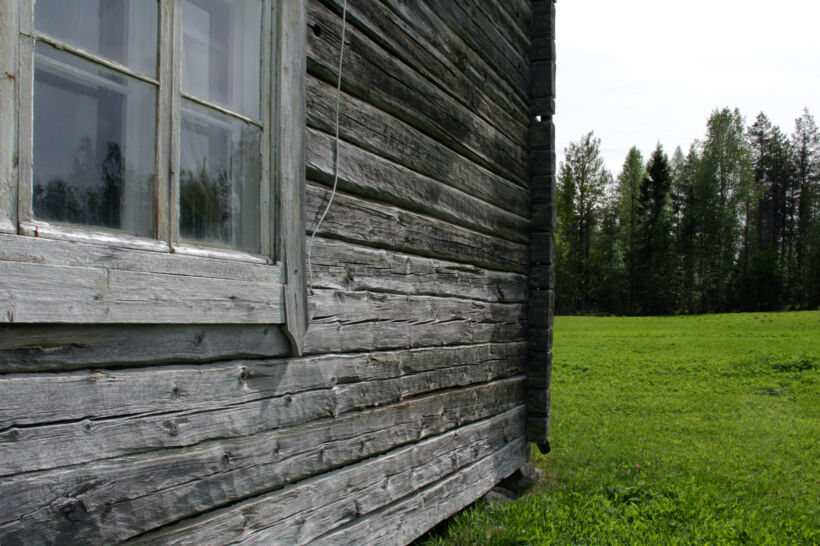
[(73, 282)]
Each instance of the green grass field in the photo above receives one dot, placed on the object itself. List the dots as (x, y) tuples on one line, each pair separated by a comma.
[(673, 430)]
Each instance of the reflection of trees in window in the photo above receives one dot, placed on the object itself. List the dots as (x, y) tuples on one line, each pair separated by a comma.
[(205, 205), (92, 193)]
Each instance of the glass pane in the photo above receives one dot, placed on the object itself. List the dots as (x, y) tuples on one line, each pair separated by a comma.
[(124, 31), (94, 144), (220, 172), (221, 51)]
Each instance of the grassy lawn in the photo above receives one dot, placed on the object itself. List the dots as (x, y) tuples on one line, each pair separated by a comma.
[(673, 430)]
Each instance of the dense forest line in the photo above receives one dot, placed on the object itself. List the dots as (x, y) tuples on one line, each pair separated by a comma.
[(730, 226)]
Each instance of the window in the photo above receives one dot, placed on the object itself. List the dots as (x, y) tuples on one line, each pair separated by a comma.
[(151, 162)]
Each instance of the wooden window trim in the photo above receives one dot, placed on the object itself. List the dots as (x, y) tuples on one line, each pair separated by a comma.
[(63, 275)]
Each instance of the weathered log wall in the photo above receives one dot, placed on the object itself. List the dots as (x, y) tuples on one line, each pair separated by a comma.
[(419, 387)]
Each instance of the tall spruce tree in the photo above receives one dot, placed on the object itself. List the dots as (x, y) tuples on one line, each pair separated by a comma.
[(759, 278), (655, 267), (628, 195)]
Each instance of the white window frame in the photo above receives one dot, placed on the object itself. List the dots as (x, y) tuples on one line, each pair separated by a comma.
[(76, 275)]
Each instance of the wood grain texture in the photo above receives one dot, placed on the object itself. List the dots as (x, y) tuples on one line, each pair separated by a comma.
[(348, 267), (410, 517), (426, 22), (8, 116), (115, 499), (484, 39), (289, 158), (367, 174), (379, 132), (26, 348), (361, 321), (376, 77), (403, 42), (370, 223), (313, 507), (103, 414), (81, 295)]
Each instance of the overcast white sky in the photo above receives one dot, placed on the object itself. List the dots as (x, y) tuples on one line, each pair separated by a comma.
[(642, 71)]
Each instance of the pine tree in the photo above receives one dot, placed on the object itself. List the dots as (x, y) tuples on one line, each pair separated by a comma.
[(628, 195), (806, 148)]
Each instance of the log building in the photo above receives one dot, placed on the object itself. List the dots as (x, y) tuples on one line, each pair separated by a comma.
[(180, 361)]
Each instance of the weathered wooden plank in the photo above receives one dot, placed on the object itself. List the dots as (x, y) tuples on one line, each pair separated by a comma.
[(541, 306), (93, 295), (379, 132), (300, 514), (520, 11), (25, 348), (490, 13), (8, 116), (289, 160), (539, 369), (373, 75), (404, 43), (483, 39), (343, 266), (410, 517), (361, 321), (373, 224), (184, 417), (42, 398), (427, 23), (38, 250), (364, 173), (115, 499)]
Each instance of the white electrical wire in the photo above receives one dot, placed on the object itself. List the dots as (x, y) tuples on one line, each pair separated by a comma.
[(335, 149)]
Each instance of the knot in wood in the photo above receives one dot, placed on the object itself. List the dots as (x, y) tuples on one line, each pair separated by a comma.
[(173, 428)]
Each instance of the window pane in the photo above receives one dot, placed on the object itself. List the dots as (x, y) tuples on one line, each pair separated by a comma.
[(124, 31), (221, 51), (219, 179), (94, 144)]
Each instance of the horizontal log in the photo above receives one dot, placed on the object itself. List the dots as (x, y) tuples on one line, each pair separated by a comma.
[(302, 513), (25, 348), (42, 398), (39, 250), (364, 173), (428, 23), (112, 500), (368, 223), (361, 321), (483, 38), (94, 295), (411, 47), (180, 406), (491, 16), (410, 517), (371, 74), (377, 131), (520, 11), (342, 266)]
